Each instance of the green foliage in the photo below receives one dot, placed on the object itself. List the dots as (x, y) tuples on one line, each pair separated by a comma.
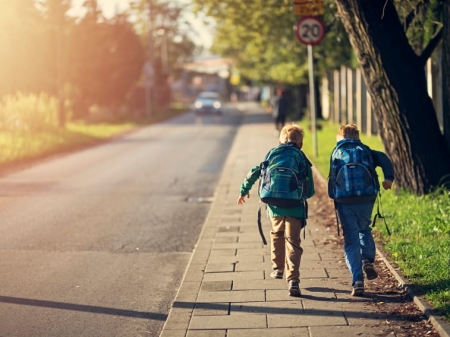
[(25, 146), (420, 240), (28, 113), (259, 36), (105, 58), (29, 128), (88, 60), (26, 61), (421, 19), (170, 33)]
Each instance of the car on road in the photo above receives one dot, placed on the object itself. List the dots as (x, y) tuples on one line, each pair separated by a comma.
[(208, 102)]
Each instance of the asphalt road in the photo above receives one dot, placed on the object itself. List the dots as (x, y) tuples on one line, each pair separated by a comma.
[(95, 243)]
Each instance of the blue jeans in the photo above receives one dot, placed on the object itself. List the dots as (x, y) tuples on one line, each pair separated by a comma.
[(355, 220)]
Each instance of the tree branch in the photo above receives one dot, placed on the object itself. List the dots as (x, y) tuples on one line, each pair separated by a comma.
[(410, 17), (429, 49)]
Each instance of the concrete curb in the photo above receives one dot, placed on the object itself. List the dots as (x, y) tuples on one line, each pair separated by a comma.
[(441, 326)]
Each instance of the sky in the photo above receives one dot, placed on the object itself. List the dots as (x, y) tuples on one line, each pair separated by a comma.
[(110, 7)]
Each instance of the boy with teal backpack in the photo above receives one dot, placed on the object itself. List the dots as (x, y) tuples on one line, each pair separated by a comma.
[(285, 184)]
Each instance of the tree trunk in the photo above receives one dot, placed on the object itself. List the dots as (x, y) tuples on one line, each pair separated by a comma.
[(396, 81), (446, 71)]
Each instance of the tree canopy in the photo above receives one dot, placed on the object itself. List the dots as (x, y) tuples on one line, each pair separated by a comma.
[(259, 36), (87, 60)]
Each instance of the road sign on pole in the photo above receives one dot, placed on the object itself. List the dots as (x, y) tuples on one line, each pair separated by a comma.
[(309, 30), (308, 7)]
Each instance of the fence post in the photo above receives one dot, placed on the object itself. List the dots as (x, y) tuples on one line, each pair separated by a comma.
[(358, 99), (350, 92), (343, 110), (369, 114), (337, 96), (325, 97)]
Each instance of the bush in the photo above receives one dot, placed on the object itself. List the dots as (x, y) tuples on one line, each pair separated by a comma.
[(28, 113)]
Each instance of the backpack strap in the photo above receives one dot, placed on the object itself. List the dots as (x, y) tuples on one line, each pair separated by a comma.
[(305, 219), (260, 225), (378, 215), (337, 218)]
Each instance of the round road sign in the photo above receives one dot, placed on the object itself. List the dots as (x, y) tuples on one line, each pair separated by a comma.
[(309, 30)]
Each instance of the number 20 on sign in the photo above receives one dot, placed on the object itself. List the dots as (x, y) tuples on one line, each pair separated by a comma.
[(309, 30)]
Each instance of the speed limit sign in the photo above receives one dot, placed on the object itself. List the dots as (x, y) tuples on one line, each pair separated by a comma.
[(309, 30)]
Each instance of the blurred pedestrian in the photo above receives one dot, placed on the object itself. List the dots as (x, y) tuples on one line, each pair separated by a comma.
[(280, 108)]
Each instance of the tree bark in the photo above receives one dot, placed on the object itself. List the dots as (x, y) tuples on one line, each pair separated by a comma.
[(396, 81), (446, 71)]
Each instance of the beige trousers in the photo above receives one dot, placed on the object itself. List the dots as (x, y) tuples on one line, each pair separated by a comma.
[(285, 243)]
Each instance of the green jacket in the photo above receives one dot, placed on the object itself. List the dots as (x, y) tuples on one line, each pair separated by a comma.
[(274, 211)]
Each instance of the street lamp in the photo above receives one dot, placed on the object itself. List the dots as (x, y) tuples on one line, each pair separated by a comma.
[(164, 50)]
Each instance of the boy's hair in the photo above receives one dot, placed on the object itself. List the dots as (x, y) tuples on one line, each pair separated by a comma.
[(349, 131), (292, 134)]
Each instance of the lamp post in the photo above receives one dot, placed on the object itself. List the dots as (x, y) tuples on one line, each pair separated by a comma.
[(164, 50), (59, 64), (149, 65)]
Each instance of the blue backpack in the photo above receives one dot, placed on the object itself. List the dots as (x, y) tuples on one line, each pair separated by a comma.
[(284, 180), (352, 177)]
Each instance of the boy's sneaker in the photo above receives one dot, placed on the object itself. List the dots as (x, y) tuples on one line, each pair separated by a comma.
[(358, 288), (370, 271), (276, 274), (294, 289)]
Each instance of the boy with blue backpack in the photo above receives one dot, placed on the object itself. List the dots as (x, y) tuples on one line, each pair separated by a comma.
[(285, 184), (354, 186)]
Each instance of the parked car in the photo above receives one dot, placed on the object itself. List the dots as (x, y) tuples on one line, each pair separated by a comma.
[(208, 102)]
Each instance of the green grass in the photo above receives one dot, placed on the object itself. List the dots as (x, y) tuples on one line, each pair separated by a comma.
[(420, 242), (23, 146), (420, 233)]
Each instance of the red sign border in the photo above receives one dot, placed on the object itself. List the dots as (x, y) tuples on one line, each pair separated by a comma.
[(297, 26)]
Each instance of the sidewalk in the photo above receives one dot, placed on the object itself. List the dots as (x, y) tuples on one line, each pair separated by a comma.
[(227, 291)]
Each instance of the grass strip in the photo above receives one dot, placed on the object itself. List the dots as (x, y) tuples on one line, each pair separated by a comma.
[(23, 146)]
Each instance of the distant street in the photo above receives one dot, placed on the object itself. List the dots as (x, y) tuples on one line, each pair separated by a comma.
[(96, 243)]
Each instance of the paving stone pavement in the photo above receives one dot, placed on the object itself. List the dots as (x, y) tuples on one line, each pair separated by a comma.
[(227, 291)]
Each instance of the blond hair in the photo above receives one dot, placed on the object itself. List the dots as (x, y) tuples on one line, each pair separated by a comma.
[(292, 134), (349, 131)]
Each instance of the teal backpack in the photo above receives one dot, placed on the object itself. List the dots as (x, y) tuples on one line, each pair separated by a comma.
[(284, 177), (284, 180)]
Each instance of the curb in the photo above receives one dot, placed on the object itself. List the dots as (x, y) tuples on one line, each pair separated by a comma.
[(441, 326)]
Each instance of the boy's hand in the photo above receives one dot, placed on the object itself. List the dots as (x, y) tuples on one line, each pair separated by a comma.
[(387, 184), (241, 199)]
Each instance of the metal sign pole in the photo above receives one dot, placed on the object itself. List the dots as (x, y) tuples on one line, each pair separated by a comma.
[(312, 99), (310, 30)]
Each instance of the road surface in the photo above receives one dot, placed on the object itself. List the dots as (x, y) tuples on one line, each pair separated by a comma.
[(95, 243)]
